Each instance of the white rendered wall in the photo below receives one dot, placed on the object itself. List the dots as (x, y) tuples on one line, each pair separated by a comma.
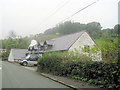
[(10, 58), (83, 40)]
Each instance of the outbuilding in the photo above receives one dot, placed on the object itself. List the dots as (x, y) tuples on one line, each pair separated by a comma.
[(17, 54)]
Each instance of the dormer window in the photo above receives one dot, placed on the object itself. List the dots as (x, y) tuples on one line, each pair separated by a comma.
[(46, 45)]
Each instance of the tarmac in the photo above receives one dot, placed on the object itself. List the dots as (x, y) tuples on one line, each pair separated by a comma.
[(72, 83)]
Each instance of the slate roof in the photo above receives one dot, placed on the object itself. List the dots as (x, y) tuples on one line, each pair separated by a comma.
[(50, 42), (19, 53), (64, 42)]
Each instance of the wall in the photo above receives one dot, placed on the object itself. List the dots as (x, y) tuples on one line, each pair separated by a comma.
[(10, 58), (85, 39)]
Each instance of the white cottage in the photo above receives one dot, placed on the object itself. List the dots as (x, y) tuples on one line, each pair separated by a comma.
[(69, 43), (17, 54)]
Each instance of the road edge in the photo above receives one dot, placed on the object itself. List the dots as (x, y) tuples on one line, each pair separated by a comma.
[(61, 82)]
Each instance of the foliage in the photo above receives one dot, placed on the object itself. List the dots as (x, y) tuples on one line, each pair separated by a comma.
[(10, 43), (117, 29), (21, 43), (68, 64), (58, 59), (114, 32), (109, 48), (86, 49), (93, 28), (4, 56)]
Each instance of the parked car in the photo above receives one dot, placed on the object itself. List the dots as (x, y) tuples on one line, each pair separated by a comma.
[(29, 60)]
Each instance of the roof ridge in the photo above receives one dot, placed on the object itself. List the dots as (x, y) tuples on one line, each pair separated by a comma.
[(64, 35), (68, 34)]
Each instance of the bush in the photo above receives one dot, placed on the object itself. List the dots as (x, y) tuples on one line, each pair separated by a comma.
[(81, 67), (110, 49)]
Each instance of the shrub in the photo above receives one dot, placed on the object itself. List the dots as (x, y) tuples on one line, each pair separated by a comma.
[(81, 67), (110, 49)]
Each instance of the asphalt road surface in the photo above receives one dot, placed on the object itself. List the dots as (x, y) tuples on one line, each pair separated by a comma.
[(0, 75), (14, 76)]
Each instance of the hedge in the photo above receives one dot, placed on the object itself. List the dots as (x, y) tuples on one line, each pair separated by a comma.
[(105, 75)]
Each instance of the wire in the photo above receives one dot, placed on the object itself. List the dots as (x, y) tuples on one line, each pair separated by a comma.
[(58, 9), (43, 21), (73, 13), (78, 11)]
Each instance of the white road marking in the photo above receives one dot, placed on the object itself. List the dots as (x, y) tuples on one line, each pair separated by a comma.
[(0, 68)]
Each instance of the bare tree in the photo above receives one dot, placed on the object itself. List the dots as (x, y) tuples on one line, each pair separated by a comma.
[(12, 34)]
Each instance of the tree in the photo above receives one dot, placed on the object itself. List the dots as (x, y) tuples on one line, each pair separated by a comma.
[(12, 34), (107, 32), (94, 29), (117, 29)]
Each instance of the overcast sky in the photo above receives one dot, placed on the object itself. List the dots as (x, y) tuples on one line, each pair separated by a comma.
[(27, 17)]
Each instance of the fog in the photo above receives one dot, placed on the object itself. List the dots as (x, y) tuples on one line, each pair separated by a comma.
[(27, 17)]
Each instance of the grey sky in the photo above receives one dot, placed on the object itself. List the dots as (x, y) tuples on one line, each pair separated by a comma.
[(29, 16)]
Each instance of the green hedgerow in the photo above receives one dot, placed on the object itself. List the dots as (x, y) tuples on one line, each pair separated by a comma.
[(81, 67)]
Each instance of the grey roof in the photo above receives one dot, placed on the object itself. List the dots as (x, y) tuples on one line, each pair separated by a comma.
[(19, 53), (50, 42), (65, 42)]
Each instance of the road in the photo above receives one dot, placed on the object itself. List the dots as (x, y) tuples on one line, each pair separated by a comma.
[(14, 76), (0, 74)]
